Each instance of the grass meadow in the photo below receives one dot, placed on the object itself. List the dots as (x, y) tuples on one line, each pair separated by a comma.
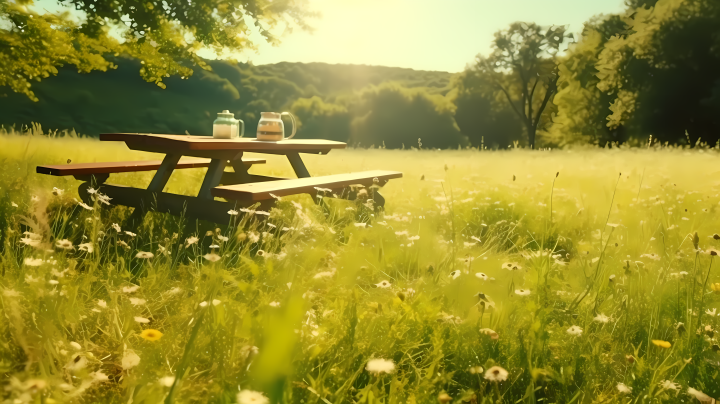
[(516, 276)]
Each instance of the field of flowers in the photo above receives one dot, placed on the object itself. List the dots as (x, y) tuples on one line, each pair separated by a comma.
[(580, 276)]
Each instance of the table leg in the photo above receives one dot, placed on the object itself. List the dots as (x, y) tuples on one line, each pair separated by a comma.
[(297, 164), (241, 171), (212, 178), (156, 185)]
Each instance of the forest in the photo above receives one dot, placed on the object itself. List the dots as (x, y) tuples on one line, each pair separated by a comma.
[(650, 74)]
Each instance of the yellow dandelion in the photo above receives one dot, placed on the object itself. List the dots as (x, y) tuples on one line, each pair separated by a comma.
[(715, 287), (661, 343), (151, 335)]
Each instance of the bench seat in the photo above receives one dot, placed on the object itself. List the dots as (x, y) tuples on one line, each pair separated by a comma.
[(257, 192), (85, 169)]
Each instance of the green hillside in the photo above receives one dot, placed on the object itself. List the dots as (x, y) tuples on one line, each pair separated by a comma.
[(120, 100)]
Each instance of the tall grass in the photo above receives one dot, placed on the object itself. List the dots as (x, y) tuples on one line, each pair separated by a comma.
[(621, 305)]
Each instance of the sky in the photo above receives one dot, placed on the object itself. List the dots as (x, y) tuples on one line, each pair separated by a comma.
[(442, 35)]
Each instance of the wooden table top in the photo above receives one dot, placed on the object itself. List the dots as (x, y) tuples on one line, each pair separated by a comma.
[(186, 143)]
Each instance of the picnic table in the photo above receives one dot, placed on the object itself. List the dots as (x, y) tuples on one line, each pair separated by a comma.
[(238, 187)]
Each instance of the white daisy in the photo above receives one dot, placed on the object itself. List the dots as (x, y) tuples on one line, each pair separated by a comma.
[(378, 366)]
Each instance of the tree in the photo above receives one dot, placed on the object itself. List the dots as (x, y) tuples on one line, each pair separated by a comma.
[(396, 116), (662, 74), (582, 108), (320, 119), (486, 120), (164, 35), (527, 52)]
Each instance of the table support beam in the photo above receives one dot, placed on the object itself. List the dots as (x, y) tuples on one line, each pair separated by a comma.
[(212, 178), (297, 164), (161, 178)]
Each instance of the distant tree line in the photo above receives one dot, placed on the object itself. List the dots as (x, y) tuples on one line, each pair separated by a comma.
[(652, 70)]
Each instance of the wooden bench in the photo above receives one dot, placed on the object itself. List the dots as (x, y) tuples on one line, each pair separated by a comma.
[(261, 191), (101, 171)]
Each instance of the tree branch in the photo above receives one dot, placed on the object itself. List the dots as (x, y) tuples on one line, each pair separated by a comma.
[(552, 88), (507, 95)]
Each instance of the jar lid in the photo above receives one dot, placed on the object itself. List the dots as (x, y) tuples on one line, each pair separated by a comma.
[(226, 114)]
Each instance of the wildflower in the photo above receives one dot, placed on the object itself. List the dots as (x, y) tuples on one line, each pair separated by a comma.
[(91, 191), (522, 292), (53, 282), (167, 381), (623, 389), (130, 289), (262, 212), (129, 233), (99, 376), (116, 227), (715, 287), (652, 256), (455, 274), (13, 204), (383, 285), (191, 240), (32, 242), (88, 247), (232, 212), (601, 318), (661, 343), (203, 304), (702, 397), (668, 385), (496, 374), (130, 359), (123, 244), (360, 224), (476, 370), (444, 398), (251, 397), (215, 302), (64, 244), (151, 335), (141, 320), (136, 301), (511, 266), (274, 304), (102, 303), (613, 225), (33, 262), (491, 333), (712, 251), (253, 237), (212, 257), (482, 276), (75, 345), (575, 331), (57, 191), (85, 205), (378, 366), (104, 199), (711, 313), (144, 255), (325, 274), (77, 362)]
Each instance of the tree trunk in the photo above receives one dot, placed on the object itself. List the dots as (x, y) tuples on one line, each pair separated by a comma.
[(531, 129)]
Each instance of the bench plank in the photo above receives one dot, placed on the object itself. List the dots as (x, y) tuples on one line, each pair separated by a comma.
[(126, 166), (261, 191)]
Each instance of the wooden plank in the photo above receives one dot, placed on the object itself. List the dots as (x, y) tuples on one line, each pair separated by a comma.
[(262, 190), (185, 143), (127, 166)]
